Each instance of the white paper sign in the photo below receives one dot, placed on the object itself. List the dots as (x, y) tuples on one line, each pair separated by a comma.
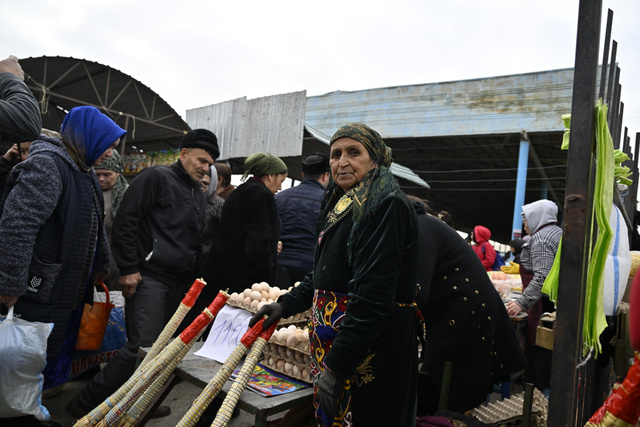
[(228, 328)]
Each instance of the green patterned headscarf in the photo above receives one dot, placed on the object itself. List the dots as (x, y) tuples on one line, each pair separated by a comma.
[(115, 164), (366, 195), (261, 164)]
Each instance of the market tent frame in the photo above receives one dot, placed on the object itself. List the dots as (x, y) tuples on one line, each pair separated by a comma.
[(62, 83)]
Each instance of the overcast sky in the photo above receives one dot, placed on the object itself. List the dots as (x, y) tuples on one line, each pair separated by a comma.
[(198, 53)]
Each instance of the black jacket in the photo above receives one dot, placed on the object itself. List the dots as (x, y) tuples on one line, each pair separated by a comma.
[(465, 318), (245, 248), (20, 119), (298, 208), (157, 229)]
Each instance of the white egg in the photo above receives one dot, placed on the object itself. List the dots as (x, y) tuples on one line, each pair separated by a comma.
[(288, 366), (265, 286), (247, 293), (256, 287), (255, 295)]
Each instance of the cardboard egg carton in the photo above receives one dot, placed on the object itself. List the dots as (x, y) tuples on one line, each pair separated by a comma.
[(508, 411), (293, 336), (292, 365), (297, 319)]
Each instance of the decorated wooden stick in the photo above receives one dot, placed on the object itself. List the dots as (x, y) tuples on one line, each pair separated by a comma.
[(175, 321), (165, 362), (98, 413), (135, 407), (237, 388), (214, 386)]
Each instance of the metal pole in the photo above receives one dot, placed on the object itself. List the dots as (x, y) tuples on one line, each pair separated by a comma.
[(521, 186), (445, 386), (578, 202), (605, 55)]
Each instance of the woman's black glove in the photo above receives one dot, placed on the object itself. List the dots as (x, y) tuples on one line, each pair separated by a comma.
[(275, 311), (329, 392)]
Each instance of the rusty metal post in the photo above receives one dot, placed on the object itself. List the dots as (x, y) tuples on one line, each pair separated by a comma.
[(578, 202)]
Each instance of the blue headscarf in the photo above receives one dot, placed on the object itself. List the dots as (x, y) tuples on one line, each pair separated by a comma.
[(87, 134)]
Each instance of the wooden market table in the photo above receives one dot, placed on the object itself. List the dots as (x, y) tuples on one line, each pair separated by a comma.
[(199, 370)]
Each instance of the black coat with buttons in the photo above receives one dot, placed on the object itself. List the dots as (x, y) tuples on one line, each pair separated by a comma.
[(465, 319)]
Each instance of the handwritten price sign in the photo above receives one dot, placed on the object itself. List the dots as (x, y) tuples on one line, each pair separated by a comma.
[(228, 327)]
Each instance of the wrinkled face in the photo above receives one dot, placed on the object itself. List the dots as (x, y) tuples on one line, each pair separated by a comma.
[(107, 178), (350, 162), (108, 153), (23, 149), (196, 162), (274, 182), (206, 180)]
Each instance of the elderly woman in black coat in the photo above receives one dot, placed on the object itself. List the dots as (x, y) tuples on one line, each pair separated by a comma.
[(363, 327)]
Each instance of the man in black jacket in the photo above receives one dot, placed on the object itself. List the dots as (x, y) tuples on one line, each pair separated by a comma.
[(20, 118), (298, 208), (155, 242)]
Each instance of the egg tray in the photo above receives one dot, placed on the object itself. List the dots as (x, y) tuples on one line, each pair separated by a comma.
[(509, 410), (280, 350), (302, 346), (301, 366), (300, 318)]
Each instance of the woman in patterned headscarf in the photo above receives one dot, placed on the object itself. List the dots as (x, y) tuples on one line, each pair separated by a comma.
[(113, 185), (363, 336)]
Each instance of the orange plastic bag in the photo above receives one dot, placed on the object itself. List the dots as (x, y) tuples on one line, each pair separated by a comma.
[(94, 322)]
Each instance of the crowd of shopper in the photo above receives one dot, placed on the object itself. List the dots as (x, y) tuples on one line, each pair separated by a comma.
[(395, 292)]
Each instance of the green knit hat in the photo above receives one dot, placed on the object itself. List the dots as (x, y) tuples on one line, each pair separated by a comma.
[(261, 164)]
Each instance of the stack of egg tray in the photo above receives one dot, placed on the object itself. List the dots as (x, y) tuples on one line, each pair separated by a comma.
[(508, 412), (291, 357)]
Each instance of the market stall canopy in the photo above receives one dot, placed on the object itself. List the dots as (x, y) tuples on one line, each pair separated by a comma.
[(61, 83)]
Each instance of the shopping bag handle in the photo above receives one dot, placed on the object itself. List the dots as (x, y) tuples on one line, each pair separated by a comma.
[(106, 290)]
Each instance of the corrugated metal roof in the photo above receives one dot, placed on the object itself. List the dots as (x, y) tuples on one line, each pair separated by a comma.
[(488, 106)]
